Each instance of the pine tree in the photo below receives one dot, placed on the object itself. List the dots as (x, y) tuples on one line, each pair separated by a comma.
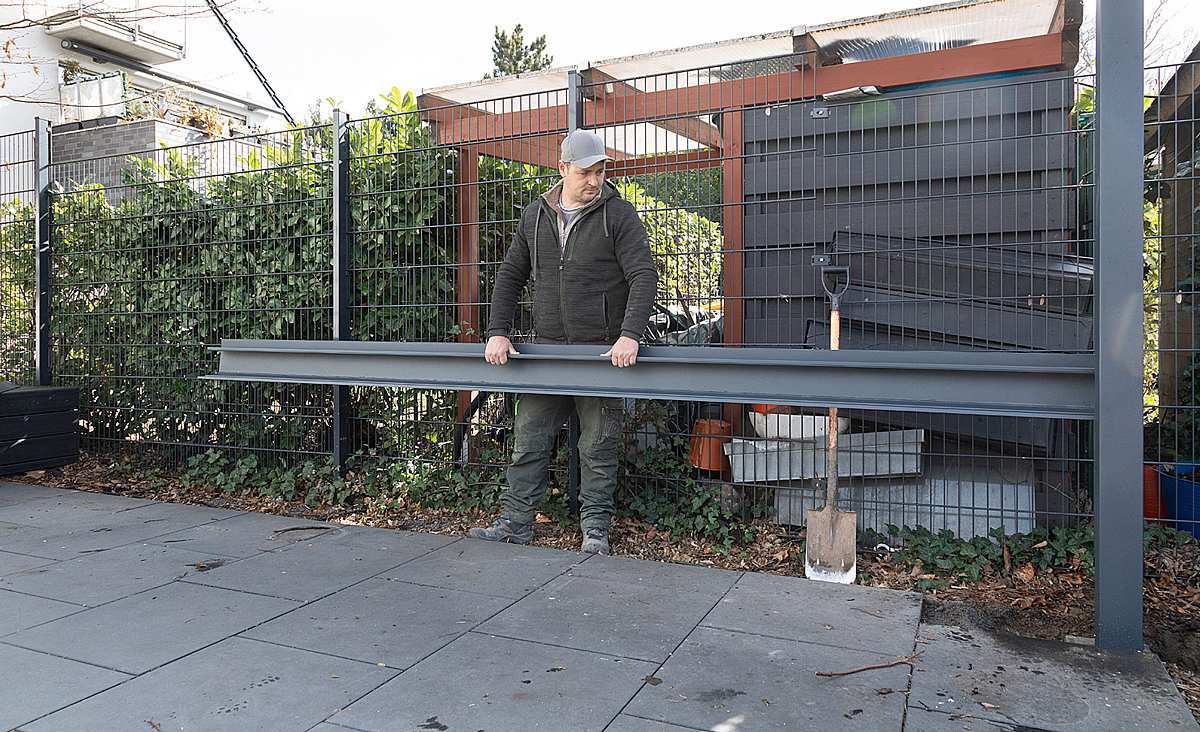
[(510, 55)]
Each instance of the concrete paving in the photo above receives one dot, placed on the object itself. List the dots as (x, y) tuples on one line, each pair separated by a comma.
[(121, 614)]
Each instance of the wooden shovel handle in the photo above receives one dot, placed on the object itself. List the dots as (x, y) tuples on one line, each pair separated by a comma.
[(831, 448)]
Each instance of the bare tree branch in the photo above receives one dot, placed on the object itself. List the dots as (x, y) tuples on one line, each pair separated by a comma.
[(24, 98), (127, 16), (1165, 40)]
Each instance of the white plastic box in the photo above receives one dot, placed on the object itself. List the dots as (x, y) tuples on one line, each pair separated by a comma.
[(968, 495), (862, 454), (794, 426)]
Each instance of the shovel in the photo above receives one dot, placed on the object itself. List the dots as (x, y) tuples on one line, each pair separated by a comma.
[(829, 552)]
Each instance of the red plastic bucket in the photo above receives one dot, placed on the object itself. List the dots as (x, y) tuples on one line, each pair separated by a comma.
[(1152, 507)]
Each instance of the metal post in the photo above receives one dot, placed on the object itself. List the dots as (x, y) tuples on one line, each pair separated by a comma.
[(573, 475), (44, 207), (341, 279), (574, 122), (1118, 335), (574, 101)]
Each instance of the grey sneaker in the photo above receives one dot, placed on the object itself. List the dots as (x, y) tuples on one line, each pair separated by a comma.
[(595, 541), (503, 529)]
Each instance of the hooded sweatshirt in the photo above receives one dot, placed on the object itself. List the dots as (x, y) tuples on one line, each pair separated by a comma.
[(594, 279)]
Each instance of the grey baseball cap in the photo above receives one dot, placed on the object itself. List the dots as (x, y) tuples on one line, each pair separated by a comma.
[(583, 148)]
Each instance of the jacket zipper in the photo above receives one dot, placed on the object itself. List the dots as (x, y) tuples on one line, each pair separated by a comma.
[(562, 292), (562, 261), (604, 311)]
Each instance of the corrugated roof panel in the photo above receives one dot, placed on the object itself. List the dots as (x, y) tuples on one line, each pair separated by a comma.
[(935, 28)]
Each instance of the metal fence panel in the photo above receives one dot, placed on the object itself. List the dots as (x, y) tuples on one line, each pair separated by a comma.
[(160, 254), (18, 257)]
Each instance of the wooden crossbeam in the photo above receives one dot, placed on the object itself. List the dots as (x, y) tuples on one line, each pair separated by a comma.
[(1045, 51), (611, 94)]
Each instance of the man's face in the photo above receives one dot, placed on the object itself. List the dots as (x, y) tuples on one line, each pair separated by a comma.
[(581, 185)]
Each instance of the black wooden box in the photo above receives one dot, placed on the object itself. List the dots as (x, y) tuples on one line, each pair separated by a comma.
[(39, 427)]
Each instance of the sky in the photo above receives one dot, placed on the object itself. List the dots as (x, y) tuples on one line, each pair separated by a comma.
[(354, 49)]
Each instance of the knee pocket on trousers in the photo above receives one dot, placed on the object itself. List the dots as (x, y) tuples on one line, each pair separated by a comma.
[(612, 419), (535, 442)]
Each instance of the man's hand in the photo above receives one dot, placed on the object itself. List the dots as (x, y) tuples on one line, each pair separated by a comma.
[(498, 350), (623, 353)]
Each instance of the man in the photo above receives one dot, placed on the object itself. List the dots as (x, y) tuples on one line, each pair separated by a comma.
[(586, 251)]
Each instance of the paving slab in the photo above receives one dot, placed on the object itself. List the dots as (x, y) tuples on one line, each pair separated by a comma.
[(10, 562), (49, 510), (19, 611), (869, 619), (45, 684), (245, 535), (743, 681), (490, 568), (639, 621), (626, 723), (380, 596), (170, 622), (483, 682), (1042, 684), (235, 685), (8, 529), (12, 492), (94, 579), (919, 720), (381, 621), (308, 570), (663, 575), (86, 531)]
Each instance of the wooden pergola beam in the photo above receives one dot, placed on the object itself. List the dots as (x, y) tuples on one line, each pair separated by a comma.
[(811, 52), (1068, 16), (1035, 52), (611, 94), (540, 150), (665, 163)]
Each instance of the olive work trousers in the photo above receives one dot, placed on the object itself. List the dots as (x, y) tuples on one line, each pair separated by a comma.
[(539, 418)]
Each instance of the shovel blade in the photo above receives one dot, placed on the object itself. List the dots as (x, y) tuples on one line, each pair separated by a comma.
[(829, 549)]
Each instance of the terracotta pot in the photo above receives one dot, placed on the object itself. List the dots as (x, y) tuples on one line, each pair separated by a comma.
[(708, 437)]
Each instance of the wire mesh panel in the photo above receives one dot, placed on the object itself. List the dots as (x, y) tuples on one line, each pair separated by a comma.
[(18, 257), (1172, 284), (436, 192), (159, 255), (959, 215)]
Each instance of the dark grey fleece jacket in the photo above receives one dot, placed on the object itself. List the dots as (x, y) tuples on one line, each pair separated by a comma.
[(597, 286)]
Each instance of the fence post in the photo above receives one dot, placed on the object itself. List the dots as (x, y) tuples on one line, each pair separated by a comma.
[(574, 122), (43, 209), (1119, 325), (341, 279)]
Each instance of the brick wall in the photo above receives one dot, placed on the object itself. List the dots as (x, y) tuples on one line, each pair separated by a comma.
[(99, 154)]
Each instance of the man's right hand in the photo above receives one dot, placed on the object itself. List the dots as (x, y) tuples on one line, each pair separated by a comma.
[(498, 350)]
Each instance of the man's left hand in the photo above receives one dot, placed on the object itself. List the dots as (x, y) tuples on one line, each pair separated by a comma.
[(623, 353)]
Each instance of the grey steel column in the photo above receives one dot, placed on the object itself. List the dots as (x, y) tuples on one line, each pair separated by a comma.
[(341, 278), (1118, 307), (43, 209), (574, 101)]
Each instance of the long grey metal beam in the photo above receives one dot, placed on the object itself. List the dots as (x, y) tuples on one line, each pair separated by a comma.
[(981, 382)]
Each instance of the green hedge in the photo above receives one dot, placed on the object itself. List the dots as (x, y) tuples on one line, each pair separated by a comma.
[(149, 275)]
